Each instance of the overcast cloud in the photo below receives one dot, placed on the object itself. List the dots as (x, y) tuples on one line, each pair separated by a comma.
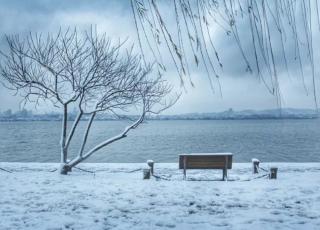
[(240, 90)]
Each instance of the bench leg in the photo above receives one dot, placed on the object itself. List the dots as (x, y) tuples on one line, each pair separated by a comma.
[(225, 171), (224, 174), (184, 168)]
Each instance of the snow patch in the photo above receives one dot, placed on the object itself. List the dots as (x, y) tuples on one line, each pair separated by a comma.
[(35, 196)]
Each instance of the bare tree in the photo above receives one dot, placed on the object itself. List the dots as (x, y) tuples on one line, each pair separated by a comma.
[(85, 71)]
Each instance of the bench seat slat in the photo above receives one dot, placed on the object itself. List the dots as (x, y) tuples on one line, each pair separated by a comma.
[(205, 165)]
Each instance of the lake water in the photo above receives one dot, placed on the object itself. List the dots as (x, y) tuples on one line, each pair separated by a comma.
[(162, 141)]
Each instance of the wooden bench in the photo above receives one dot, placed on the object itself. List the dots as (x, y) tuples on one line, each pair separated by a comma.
[(206, 161)]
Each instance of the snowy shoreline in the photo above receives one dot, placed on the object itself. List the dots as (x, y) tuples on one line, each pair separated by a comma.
[(35, 196)]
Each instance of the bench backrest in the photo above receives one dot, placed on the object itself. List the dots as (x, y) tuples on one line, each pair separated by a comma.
[(205, 161)]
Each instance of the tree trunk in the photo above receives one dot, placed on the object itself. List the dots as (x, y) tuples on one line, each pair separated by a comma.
[(85, 137), (64, 152), (64, 169), (67, 166)]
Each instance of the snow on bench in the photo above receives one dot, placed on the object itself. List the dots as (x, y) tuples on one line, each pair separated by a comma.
[(206, 161)]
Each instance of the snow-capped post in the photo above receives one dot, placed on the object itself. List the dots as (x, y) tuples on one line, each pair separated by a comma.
[(273, 173), (146, 174), (89, 73), (255, 165), (151, 165)]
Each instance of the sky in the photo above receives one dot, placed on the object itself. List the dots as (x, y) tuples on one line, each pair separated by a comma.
[(240, 89)]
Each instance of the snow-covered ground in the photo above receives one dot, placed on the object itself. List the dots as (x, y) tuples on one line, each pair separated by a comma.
[(116, 197)]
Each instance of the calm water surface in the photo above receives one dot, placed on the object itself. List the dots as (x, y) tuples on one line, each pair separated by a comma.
[(162, 141)]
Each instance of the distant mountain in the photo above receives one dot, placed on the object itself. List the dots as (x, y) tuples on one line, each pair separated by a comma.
[(285, 113)]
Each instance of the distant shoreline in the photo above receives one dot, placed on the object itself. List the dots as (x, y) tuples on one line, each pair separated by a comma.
[(274, 114), (178, 119)]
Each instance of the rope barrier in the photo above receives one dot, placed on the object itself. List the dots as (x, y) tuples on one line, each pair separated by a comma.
[(263, 169), (161, 178), (8, 171), (83, 170), (135, 170), (258, 177)]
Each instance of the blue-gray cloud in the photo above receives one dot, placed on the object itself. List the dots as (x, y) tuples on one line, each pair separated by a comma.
[(241, 90)]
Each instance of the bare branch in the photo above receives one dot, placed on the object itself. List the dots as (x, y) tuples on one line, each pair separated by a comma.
[(87, 72)]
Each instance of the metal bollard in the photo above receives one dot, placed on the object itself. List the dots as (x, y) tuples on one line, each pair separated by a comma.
[(255, 165), (146, 174), (273, 173), (151, 165)]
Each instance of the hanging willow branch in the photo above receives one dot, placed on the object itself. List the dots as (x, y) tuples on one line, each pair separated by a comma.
[(280, 31)]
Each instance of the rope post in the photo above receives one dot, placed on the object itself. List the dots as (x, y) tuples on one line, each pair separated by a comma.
[(255, 165), (146, 174), (151, 165), (273, 173)]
